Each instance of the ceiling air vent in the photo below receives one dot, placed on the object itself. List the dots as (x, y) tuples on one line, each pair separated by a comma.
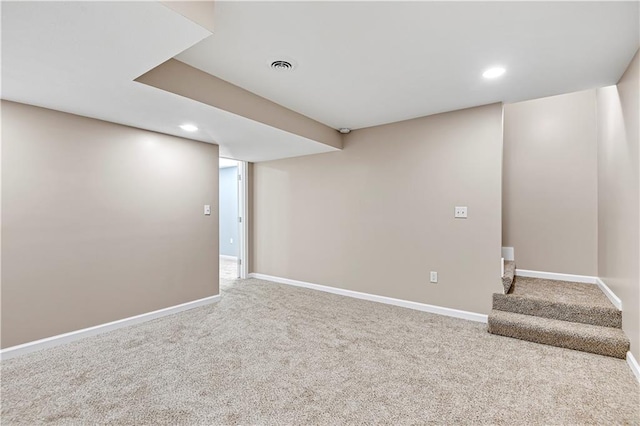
[(281, 65)]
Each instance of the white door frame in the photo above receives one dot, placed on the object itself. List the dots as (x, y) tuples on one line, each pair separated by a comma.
[(243, 219)]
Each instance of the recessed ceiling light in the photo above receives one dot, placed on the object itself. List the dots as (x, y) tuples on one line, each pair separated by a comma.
[(493, 72), (188, 127)]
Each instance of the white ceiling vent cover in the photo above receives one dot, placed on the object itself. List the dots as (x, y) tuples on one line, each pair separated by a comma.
[(282, 65)]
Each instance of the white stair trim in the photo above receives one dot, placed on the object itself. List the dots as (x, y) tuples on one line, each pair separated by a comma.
[(557, 276), (61, 339), (456, 313), (615, 300), (633, 364)]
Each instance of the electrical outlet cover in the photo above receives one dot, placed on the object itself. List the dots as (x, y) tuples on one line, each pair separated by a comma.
[(460, 212)]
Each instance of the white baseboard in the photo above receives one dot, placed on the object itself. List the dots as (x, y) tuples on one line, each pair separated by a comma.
[(508, 253), (615, 300), (226, 257), (61, 339), (557, 276), (471, 316), (633, 364)]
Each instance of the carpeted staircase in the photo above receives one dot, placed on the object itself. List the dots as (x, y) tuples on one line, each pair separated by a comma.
[(558, 313)]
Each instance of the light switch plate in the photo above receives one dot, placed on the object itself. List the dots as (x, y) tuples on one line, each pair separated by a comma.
[(433, 277), (207, 209), (461, 212)]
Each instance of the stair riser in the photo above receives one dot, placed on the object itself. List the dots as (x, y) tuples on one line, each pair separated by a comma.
[(509, 275), (559, 311), (593, 345)]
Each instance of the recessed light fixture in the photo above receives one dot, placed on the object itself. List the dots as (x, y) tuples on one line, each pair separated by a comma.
[(188, 127), (493, 72), (344, 130)]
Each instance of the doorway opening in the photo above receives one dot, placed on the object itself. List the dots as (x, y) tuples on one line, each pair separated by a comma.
[(233, 224)]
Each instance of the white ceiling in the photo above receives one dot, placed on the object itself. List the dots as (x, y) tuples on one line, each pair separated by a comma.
[(358, 63), (361, 64), (82, 58)]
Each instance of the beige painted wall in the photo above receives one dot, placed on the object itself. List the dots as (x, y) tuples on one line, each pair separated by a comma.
[(100, 222), (378, 216), (550, 195), (619, 199)]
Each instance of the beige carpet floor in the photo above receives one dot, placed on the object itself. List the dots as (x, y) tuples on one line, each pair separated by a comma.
[(561, 291), (273, 354), (565, 314), (566, 301)]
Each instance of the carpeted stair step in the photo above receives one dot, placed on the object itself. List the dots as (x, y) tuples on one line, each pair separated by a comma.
[(561, 300), (509, 274), (607, 341)]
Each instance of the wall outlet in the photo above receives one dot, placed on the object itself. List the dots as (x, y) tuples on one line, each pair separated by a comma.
[(460, 212), (230, 240), (434, 277), (207, 209)]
